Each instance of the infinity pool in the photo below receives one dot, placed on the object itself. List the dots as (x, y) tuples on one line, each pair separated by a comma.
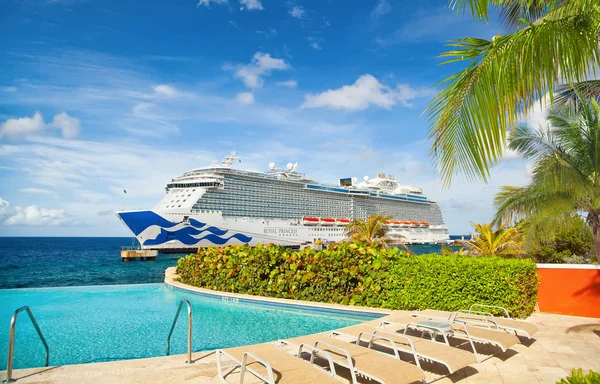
[(118, 322)]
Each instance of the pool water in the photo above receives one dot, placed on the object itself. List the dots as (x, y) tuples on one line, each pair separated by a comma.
[(104, 323)]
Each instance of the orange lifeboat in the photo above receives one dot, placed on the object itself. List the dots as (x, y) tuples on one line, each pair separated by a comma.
[(327, 221), (424, 224), (414, 224), (405, 223), (310, 220), (342, 221)]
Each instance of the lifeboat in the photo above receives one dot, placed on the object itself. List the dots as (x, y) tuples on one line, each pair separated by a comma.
[(396, 223), (310, 220), (405, 223), (387, 222), (342, 221), (327, 221), (424, 224), (414, 224)]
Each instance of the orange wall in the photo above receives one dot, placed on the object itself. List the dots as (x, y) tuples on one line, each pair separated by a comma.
[(569, 290)]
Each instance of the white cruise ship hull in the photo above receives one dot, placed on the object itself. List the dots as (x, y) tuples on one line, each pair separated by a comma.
[(168, 230)]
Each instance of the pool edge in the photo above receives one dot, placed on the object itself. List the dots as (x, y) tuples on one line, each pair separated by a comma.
[(170, 274)]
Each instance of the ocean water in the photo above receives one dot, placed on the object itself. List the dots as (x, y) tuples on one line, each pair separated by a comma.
[(118, 322), (32, 262)]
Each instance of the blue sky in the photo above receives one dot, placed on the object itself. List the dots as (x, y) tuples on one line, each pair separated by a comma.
[(97, 96)]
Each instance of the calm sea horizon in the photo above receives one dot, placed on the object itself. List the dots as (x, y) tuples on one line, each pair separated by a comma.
[(37, 262)]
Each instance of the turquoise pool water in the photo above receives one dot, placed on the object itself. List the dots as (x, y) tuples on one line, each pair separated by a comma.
[(117, 322)]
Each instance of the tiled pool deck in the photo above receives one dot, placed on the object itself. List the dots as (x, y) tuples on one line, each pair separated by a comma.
[(562, 343)]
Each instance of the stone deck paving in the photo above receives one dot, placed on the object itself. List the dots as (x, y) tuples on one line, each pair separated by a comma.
[(563, 343)]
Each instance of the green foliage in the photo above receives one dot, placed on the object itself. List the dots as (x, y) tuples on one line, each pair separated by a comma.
[(453, 282), (566, 167), (372, 230), (571, 237), (357, 273), (504, 78), (577, 377), (501, 241)]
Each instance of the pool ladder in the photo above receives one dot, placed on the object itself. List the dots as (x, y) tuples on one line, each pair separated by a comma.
[(11, 342), (189, 335)]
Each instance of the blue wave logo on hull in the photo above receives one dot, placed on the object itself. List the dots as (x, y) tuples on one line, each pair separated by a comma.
[(185, 236), (138, 222)]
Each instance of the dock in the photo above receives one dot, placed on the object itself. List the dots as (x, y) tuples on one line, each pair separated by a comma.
[(141, 254)]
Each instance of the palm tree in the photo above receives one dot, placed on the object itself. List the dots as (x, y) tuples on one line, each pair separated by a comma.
[(566, 174), (373, 230), (446, 250), (552, 43), (502, 241)]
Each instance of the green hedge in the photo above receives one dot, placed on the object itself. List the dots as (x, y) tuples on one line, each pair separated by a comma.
[(359, 274)]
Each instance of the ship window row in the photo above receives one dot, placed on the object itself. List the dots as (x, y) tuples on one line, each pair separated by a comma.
[(191, 185)]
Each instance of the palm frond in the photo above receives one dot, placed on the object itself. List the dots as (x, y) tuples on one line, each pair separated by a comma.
[(503, 79)]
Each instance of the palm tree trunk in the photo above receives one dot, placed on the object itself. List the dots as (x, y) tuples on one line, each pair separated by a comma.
[(594, 220)]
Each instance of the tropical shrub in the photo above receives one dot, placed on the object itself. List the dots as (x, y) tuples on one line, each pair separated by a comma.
[(452, 283), (577, 377), (364, 274)]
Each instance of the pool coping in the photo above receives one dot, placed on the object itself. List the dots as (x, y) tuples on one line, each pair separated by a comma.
[(170, 280)]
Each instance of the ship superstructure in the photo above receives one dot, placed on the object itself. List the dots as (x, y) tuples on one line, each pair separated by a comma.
[(220, 205)]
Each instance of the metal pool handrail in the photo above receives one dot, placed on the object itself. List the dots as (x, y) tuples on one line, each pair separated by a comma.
[(11, 341), (189, 335)]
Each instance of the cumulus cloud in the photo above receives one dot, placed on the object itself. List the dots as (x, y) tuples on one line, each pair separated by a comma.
[(245, 98), (8, 89), (288, 83), (251, 4), (261, 65), (22, 125), (31, 125), (31, 215), (67, 124), (207, 3), (298, 12), (367, 91)]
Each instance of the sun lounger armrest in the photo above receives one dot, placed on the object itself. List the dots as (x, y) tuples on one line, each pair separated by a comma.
[(270, 379), (344, 351), (321, 352), (480, 317), (490, 307)]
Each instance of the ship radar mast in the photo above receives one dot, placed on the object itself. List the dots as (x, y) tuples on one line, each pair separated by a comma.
[(228, 162)]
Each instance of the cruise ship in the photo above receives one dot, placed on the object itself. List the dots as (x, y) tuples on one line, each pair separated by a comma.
[(222, 205)]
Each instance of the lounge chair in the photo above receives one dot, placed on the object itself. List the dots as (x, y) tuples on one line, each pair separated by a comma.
[(271, 365), (457, 329), (421, 349), (360, 361), (480, 314)]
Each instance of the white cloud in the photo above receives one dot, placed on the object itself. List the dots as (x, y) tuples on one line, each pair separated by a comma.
[(67, 124), (261, 65), (165, 91), (251, 4), (288, 83), (245, 98), (38, 191), (22, 125), (30, 125), (8, 89), (298, 12), (206, 3), (31, 215), (382, 8), (367, 91), (316, 45)]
